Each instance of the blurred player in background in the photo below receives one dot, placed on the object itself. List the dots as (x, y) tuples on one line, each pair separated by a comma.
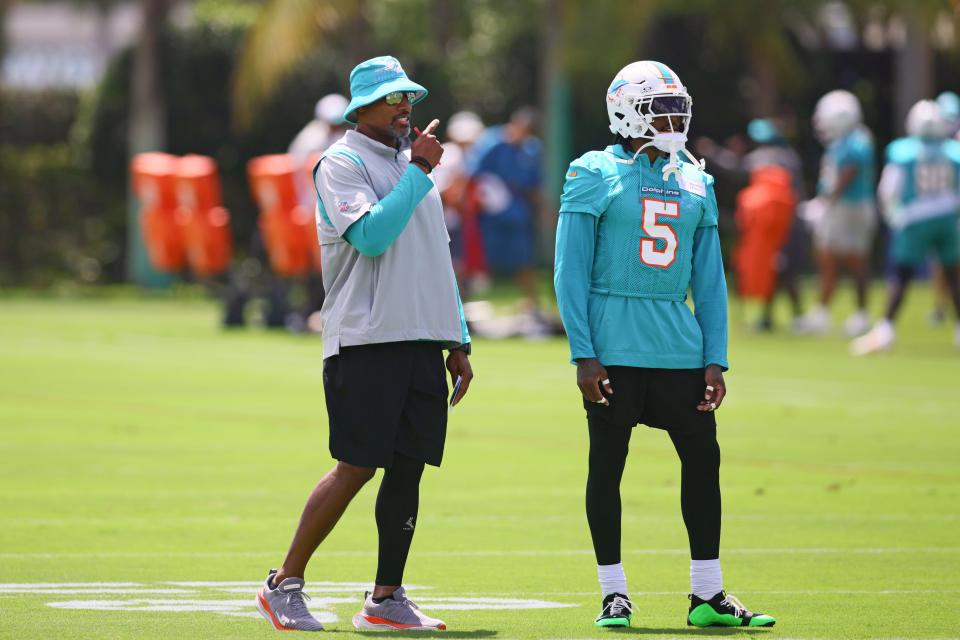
[(920, 199), (949, 103), (843, 215), (638, 226), (316, 137), (326, 127), (773, 150), (506, 166), (764, 216), (453, 183)]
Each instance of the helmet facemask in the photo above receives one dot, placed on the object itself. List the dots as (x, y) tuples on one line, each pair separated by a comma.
[(632, 115)]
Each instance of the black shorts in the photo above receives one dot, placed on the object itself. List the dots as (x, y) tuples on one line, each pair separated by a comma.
[(660, 398), (386, 398)]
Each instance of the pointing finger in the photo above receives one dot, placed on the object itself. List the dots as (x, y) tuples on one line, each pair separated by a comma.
[(431, 127)]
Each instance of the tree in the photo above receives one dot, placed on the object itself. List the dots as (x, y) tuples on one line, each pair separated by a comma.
[(283, 35), (147, 127)]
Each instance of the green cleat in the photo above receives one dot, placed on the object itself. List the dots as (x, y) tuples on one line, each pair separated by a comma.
[(616, 611), (724, 611)]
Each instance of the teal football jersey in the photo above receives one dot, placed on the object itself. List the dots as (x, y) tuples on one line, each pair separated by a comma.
[(629, 244), (645, 232), (931, 169), (854, 149)]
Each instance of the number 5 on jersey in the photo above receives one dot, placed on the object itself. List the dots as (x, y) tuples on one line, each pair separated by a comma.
[(652, 211)]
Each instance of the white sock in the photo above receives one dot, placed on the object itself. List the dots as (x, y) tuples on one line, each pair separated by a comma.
[(706, 579), (612, 579)]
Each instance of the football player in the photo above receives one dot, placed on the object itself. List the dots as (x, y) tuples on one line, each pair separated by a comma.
[(949, 103), (920, 200), (638, 226), (843, 215)]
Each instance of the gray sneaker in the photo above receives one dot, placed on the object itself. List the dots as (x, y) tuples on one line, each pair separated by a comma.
[(284, 607), (395, 613)]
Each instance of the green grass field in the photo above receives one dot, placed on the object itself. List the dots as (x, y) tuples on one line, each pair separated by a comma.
[(154, 467)]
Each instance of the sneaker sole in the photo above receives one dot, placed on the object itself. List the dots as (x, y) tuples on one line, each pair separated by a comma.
[(267, 613), (730, 626), (612, 622), (362, 621)]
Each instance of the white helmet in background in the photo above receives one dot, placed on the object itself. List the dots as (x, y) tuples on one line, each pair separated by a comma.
[(330, 109), (645, 90), (836, 114), (465, 127), (925, 120)]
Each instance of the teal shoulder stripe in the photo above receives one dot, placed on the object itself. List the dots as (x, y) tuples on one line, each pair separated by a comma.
[(323, 211), (347, 154), (339, 152)]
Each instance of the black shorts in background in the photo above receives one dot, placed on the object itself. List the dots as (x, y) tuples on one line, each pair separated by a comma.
[(386, 398), (660, 398)]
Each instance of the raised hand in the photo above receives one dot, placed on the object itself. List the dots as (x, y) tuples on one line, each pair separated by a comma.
[(426, 144)]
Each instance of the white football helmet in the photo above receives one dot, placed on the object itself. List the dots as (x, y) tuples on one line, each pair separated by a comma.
[(645, 90), (925, 120), (836, 114), (329, 109)]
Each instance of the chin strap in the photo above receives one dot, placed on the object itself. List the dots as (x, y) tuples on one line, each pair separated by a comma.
[(673, 164), (634, 158)]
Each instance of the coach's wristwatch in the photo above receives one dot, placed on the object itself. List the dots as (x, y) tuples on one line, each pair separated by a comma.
[(465, 347)]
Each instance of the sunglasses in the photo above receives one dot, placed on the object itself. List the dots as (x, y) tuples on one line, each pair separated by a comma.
[(397, 97)]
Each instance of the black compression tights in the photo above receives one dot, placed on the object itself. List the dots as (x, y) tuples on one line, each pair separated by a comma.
[(699, 490), (397, 503)]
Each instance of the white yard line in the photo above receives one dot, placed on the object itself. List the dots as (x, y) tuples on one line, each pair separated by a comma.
[(40, 590), (484, 553)]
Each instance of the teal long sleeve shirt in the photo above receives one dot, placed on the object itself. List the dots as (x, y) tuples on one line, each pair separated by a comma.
[(640, 332), (629, 246)]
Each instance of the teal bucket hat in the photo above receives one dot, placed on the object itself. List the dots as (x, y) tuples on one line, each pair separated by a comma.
[(373, 79)]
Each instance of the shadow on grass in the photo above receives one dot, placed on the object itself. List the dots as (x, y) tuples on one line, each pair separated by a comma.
[(692, 632), (476, 633)]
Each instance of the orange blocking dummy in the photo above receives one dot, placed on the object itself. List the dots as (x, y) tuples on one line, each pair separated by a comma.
[(764, 215), (205, 222), (153, 185), (288, 229)]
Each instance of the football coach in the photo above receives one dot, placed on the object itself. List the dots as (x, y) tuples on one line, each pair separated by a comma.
[(391, 309)]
